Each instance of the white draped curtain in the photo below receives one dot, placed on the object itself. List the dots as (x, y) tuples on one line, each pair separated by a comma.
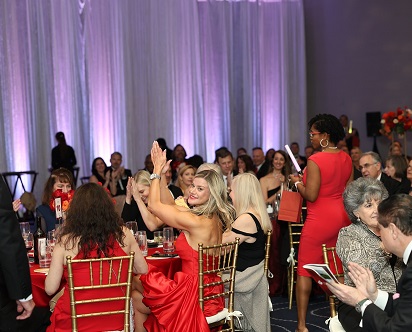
[(115, 75)]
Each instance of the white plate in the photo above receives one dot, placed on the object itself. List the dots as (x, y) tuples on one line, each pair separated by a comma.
[(151, 257), (43, 270)]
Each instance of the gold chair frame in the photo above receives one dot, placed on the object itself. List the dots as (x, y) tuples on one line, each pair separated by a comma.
[(327, 253), (267, 253), (224, 263), (95, 263), (295, 230)]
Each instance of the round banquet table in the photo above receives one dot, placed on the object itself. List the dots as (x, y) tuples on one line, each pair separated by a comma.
[(167, 265)]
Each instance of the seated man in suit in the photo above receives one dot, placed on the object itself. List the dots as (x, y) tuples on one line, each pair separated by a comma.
[(118, 175), (381, 311), (224, 159), (261, 164), (370, 164)]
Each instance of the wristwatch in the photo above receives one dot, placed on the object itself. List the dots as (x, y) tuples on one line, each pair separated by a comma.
[(358, 306), (154, 176)]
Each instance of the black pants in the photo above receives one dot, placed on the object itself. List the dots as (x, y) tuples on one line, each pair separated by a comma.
[(37, 322)]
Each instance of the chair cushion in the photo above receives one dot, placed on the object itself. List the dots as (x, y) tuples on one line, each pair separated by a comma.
[(219, 316)]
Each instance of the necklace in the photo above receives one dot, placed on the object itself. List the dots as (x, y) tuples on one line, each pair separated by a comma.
[(330, 147)]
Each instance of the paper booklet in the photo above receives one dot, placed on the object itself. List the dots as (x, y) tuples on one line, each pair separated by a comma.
[(322, 274)]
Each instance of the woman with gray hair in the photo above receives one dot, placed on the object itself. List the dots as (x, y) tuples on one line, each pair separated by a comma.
[(360, 243)]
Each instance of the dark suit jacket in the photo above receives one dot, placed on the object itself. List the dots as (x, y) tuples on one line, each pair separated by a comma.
[(398, 313), (123, 180), (15, 281), (264, 169), (392, 186)]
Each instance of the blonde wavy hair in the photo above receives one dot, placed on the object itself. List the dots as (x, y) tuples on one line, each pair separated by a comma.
[(249, 196), (217, 202), (142, 177)]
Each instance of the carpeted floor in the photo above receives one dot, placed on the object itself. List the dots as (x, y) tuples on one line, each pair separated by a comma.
[(283, 319)]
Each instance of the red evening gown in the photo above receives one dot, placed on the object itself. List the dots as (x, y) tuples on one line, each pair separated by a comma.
[(175, 303), (326, 216), (61, 320)]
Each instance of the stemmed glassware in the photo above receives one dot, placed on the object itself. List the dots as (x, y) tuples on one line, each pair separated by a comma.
[(27, 237)]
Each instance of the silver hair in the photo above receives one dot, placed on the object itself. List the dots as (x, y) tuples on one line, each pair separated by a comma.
[(360, 191), (374, 156)]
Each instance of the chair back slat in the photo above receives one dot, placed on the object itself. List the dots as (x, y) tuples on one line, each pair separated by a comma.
[(218, 259), (98, 280)]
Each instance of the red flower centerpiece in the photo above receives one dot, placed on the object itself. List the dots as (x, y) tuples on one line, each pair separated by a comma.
[(398, 121), (65, 197)]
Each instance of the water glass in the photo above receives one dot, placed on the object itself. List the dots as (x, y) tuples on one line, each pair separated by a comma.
[(158, 237), (132, 225), (51, 241), (142, 242), (168, 240), (24, 228)]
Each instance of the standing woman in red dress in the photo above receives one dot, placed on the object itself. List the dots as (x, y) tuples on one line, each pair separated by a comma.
[(324, 180)]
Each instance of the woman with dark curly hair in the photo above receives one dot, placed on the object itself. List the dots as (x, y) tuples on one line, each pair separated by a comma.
[(92, 229), (323, 182)]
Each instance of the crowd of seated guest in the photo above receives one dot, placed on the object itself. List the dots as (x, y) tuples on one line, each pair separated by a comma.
[(136, 191)]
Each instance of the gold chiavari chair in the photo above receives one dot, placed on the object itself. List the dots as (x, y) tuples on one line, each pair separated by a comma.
[(104, 274), (220, 259), (332, 260)]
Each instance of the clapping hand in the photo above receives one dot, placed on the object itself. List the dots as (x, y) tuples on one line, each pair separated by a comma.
[(129, 189), (363, 280), (158, 157)]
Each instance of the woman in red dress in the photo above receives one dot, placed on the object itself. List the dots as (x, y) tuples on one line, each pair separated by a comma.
[(162, 304), (92, 229), (324, 180)]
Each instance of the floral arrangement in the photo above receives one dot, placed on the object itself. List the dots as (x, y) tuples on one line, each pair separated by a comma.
[(398, 121), (65, 197)]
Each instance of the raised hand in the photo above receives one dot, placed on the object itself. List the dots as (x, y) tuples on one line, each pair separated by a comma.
[(158, 157)]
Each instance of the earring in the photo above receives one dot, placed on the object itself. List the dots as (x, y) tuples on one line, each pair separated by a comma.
[(324, 146), (358, 220)]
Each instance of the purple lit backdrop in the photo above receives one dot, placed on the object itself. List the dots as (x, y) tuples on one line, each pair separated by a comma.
[(114, 75)]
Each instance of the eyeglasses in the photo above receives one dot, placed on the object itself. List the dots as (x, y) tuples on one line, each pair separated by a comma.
[(312, 133), (366, 166)]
